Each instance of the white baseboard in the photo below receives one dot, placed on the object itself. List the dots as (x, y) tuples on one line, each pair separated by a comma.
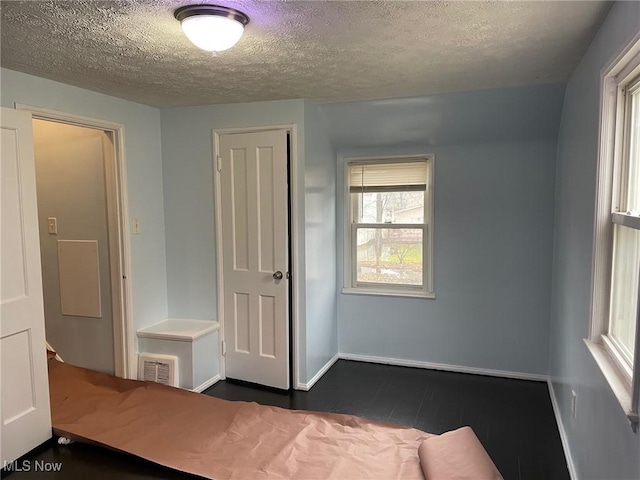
[(563, 433), (207, 384), (443, 366), (305, 387)]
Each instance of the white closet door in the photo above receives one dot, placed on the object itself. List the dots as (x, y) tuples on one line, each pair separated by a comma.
[(255, 256)]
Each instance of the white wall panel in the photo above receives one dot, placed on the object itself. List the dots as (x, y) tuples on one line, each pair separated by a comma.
[(79, 278)]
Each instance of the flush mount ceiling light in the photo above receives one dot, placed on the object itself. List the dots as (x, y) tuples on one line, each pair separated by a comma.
[(211, 27)]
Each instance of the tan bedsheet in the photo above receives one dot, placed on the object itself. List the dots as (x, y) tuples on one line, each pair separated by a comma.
[(219, 439)]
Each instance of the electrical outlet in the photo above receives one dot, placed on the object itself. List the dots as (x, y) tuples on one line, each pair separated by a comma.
[(574, 398), (136, 226)]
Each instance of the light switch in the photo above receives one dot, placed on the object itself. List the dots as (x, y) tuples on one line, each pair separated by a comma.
[(52, 222), (136, 226)]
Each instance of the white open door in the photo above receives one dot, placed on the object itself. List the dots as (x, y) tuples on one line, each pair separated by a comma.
[(254, 210), (26, 418)]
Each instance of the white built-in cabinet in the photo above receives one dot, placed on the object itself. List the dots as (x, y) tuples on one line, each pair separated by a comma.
[(193, 342)]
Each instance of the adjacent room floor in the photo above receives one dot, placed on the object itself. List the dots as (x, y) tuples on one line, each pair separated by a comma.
[(512, 418)]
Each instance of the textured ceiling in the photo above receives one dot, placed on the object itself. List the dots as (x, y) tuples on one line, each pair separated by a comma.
[(325, 51)]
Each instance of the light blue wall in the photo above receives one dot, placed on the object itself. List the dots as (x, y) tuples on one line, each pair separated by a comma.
[(601, 441), (494, 200), (187, 150), (320, 225), (144, 176), (489, 116)]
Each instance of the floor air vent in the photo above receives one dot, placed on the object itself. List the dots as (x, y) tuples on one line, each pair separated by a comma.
[(154, 367)]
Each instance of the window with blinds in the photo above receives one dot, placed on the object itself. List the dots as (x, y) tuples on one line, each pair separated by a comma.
[(389, 246)]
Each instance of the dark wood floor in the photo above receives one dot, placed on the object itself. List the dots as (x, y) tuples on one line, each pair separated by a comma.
[(512, 418)]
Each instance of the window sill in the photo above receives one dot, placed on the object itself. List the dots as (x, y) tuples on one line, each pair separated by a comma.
[(616, 379), (388, 293)]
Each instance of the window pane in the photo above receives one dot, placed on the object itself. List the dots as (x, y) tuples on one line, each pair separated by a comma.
[(624, 288), (389, 207), (391, 256), (633, 187)]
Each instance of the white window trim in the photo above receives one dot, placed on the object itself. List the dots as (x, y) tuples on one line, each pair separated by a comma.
[(624, 382), (427, 290)]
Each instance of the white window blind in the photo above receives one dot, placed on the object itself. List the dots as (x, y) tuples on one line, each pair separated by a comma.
[(381, 177)]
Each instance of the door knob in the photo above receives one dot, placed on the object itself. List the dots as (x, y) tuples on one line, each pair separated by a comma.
[(277, 275)]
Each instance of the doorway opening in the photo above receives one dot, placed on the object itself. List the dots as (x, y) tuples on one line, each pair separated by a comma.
[(80, 186)]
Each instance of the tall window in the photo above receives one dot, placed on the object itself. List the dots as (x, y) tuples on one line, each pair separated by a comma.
[(625, 218), (616, 276), (390, 230)]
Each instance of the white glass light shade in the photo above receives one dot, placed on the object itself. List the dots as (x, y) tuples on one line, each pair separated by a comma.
[(211, 32)]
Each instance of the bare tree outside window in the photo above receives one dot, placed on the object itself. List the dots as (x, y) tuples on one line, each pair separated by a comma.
[(390, 255)]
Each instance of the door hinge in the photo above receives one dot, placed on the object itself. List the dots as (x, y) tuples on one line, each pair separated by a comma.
[(224, 348), (219, 163)]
